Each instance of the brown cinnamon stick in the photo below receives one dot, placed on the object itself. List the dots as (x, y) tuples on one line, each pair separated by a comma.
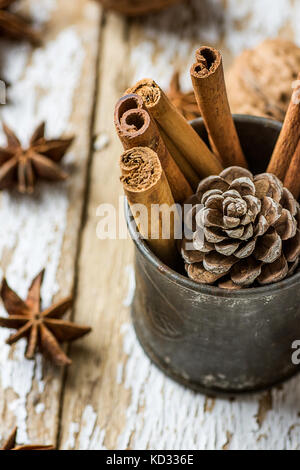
[(292, 177), (136, 128), (183, 164), (211, 95), (184, 137), (288, 138), (145, 184)]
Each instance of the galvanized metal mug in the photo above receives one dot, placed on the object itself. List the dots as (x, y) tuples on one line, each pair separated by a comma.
[(210, 339)]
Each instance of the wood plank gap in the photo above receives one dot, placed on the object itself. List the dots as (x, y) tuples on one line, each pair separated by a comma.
[(92, 401), (84, 211)]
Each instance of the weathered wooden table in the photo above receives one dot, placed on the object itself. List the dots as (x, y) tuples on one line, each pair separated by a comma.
[(112, 397)]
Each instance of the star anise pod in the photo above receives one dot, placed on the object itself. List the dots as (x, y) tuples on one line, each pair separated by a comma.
[(39, 160), (13, 25), (43, 329), (184, 102), (10, 444)]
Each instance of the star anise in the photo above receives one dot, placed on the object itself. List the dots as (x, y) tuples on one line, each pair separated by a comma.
[(10, 444), (13, 25), (43, 329), (184, 102), (40, 159)]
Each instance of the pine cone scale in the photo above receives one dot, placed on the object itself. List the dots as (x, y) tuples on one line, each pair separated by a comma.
[(227, 247), (199, 274), (274, 272), (246, 272), (213, 234), (247, 231), (292, 248), (286, 225), (246, 250), (268, 248), (268, 185), (216, 263)]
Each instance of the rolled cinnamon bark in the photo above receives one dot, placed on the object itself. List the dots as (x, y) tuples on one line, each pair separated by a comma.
[(183, 164), (288, 138), (211, 95), (136, 128), (292, 177), (184, 137), (145, 184)]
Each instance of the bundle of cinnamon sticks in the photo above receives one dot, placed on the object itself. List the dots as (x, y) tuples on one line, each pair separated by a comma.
[(165, 158)]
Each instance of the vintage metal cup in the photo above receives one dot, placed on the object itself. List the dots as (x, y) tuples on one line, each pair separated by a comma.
[(210, 339)]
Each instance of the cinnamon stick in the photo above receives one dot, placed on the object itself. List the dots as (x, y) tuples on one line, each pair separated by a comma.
[(145, 184), (288, 138), (184, 137), (292, 177), (183, 164), (136, 128), (209, 85)]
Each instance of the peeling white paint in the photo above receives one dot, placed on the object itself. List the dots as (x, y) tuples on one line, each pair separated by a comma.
[(40, 408), (89, 436), (47, 89), (43, 12), (129, 270), (88, 421), (165, 415), (39, 373), (34, 227), (101, 142), (73, 431), (97, 440), (120, 371)]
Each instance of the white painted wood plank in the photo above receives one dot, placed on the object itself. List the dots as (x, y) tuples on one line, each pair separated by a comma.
[(94, 404), (54, 83)]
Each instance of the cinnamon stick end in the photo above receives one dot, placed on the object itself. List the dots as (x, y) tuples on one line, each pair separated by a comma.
[(208, 61), (140, 168), (148, 90), (126, 103)]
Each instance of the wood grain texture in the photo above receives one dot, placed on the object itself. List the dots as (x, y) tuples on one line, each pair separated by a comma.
[(102, 280), (113, 397)]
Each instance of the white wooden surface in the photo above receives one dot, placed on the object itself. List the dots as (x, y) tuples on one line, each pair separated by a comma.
[(113, 397)]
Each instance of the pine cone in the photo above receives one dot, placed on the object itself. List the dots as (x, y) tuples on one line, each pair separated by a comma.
[(136, 7), (244, 233)]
